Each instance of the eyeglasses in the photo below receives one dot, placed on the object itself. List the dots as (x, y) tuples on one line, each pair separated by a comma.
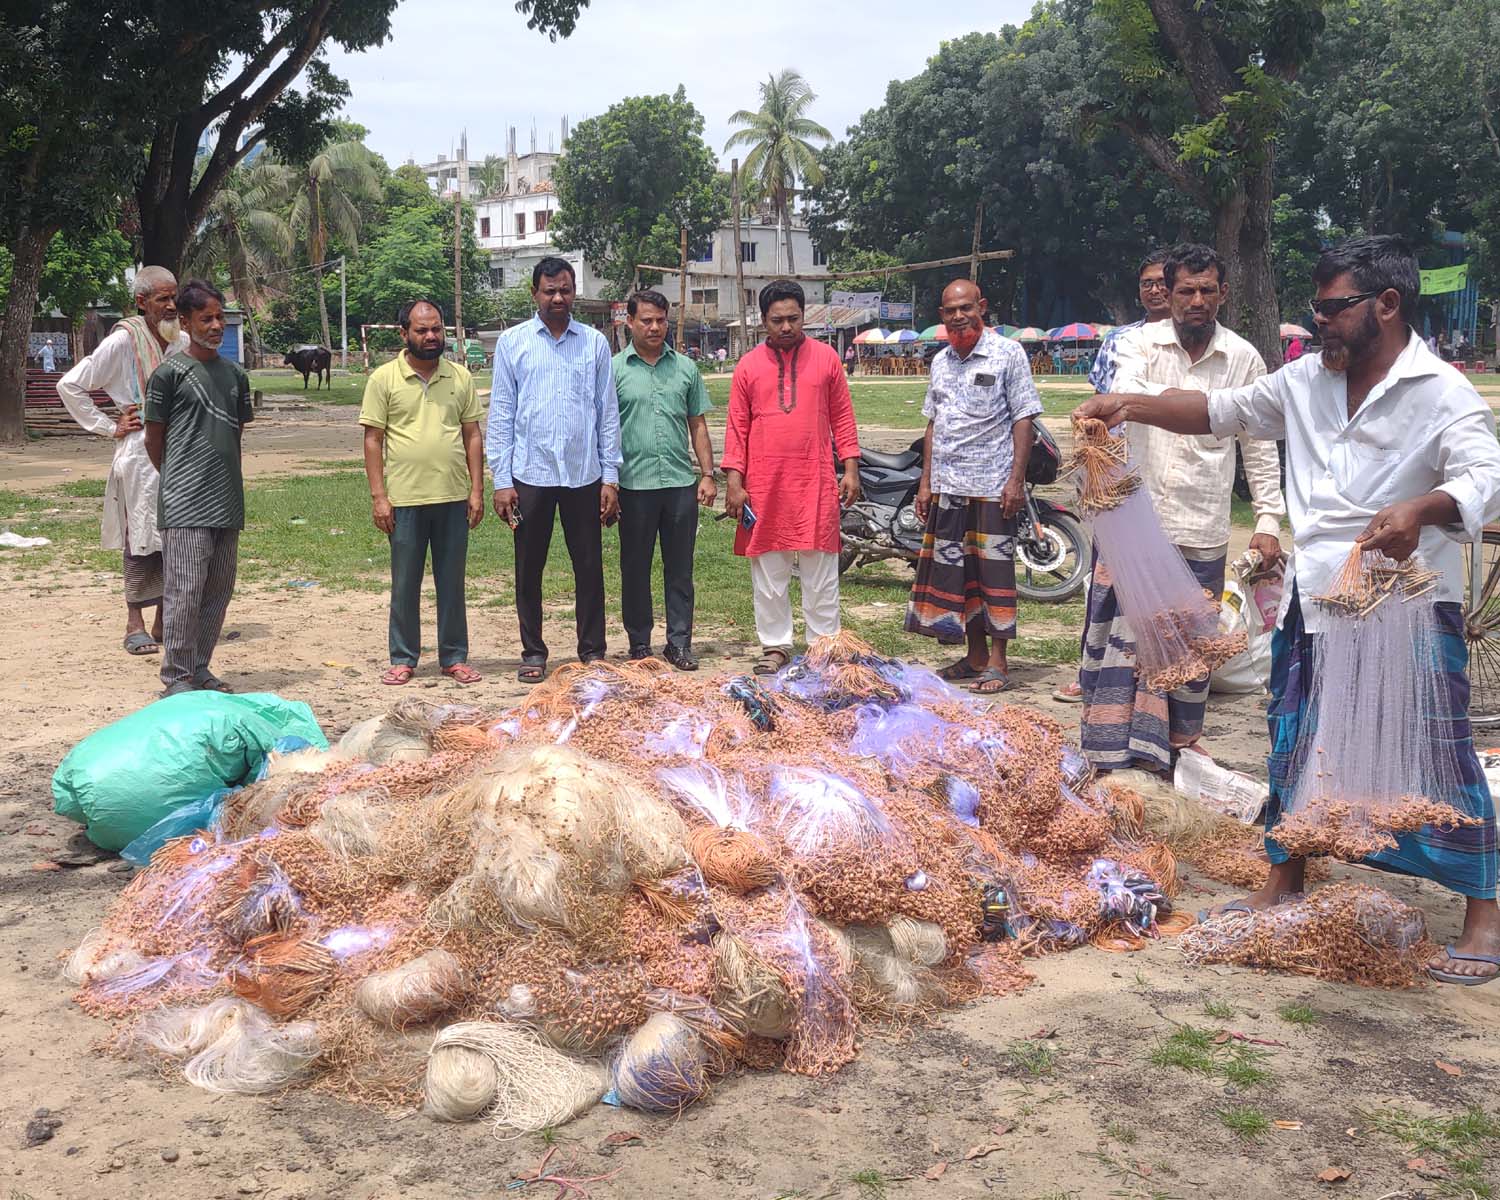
[(1153, 285), (1331, 307)]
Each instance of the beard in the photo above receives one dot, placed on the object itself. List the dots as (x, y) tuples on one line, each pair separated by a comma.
[(203, 342), (168, 328), (1194, 337), (1351, 349), (424, 353)]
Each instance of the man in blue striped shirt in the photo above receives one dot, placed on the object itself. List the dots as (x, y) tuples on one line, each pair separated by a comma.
[(554, 448)]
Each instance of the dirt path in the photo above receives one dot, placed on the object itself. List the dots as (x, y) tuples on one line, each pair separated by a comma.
[(1078, 1112)]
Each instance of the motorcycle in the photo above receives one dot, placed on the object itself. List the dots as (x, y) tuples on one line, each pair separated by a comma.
[(1051, 547)]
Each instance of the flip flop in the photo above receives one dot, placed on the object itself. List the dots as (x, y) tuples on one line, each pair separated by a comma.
[(1067, 697), (1234, 906), (141, 642), (212, 683), (462, 673), (397, 675), (1466, 980), (962, 669), (990, 675)]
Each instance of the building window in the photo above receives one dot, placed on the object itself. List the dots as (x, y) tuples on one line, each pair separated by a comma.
[(820, 259), (704, 295), (543, 219), (484, 227), (497, 278), (520, 224), (747, 251), (749, 298), (708, 254)]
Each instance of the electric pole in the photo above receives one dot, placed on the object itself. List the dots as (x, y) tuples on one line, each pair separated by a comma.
[(458, 273), (682, 294), (739, 257)]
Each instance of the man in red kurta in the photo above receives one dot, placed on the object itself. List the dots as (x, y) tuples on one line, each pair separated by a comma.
[(789, 411)]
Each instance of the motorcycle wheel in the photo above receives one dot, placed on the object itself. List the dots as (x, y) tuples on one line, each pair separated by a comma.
[(846, 559), (1058, 573)]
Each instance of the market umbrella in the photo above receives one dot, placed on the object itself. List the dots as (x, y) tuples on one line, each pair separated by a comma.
[(934, 333), (1029, 334), (871, 337), (898, 336), (1009, 331), (1076, 332), (1288, 330)]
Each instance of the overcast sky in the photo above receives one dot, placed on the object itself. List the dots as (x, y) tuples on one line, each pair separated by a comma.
[(453, 63)]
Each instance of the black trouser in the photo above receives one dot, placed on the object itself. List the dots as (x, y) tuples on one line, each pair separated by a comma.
[(579, 509), (444, 527), (670, 514)]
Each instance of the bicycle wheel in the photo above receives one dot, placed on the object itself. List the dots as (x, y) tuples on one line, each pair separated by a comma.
[(1482, 631)]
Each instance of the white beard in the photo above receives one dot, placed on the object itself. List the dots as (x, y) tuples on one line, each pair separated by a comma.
[(168, 330)]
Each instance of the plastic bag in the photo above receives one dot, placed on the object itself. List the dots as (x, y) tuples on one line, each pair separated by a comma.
[(1250, 670), (123, 779)]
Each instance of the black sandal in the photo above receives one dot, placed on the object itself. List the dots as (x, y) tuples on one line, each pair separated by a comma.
[(532, 672)]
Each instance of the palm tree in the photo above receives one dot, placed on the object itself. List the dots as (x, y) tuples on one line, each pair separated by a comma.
[(779, 137), (246, 233), (331, 184)]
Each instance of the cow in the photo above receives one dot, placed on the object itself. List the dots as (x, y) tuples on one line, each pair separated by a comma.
[(312, 360)]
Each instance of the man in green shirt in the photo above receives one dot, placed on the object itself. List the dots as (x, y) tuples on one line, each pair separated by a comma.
[(662, 430), (197, 404), (424, 459)]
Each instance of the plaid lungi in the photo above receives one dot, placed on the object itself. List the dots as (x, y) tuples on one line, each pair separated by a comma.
[(1123, 724), (967, 570), (1462, 860)]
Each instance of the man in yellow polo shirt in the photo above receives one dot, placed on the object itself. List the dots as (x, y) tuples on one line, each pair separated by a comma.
[(424, 458)]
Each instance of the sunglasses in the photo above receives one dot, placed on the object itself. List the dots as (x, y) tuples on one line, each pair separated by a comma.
[(1334, 305)]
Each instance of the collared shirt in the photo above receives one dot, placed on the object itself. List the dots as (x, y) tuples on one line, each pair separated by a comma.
[(656, 401), (120, 366), (554, 418), (1423, 428), (1190, 479), (423, 421), (1107, 361), (973, 403)]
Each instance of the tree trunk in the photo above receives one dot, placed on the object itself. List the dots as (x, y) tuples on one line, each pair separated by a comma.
[(322, 305), (1242, 235), (30, 251), (786, 230)]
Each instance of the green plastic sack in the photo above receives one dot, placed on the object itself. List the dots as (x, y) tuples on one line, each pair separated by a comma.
[(124, 778)]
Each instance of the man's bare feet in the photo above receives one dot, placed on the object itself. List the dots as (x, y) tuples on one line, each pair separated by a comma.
[(1481, 936)]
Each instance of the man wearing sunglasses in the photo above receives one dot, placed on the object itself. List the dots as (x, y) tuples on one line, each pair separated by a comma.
[(1190, 481), (1389, 447)]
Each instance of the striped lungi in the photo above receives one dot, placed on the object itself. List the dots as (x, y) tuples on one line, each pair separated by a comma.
[(1125, 725), (1462, 860), (199, 567), (967, 570), (142, 572)]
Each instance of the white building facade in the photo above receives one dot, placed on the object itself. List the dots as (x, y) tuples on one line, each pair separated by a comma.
[(712, 281)]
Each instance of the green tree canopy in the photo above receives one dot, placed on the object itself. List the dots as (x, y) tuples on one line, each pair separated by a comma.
[(632, 178)]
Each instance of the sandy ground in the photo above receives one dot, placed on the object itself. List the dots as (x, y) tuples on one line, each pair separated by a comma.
[(1102, 1122)]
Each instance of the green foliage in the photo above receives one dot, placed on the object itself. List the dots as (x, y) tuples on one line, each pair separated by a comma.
[(555, 18), (1463, 1142), (1032, 1058), (1219, 1010), (82, 270), (632, 178), (1205, 1052), (868, 260), (1297, 1014), (1248, 1123)]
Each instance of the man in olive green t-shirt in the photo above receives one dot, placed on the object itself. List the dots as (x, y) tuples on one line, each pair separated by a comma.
[(662, 430), (197, 404), (425, 464)]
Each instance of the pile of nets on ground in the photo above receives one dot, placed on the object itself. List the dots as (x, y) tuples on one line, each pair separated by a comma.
[(631, 885)]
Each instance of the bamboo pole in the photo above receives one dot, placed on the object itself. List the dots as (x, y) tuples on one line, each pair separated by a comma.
[(458, 273), (739, 259), (974, 253), (682, 296)]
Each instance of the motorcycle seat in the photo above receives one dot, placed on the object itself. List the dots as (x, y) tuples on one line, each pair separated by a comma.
[(902, 461)]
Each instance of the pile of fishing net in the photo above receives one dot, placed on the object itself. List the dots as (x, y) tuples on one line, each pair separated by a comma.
[(631, 885), (1344, 932)]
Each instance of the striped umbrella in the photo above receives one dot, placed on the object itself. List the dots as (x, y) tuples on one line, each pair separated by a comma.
[(1029, 334), (1078, 331), (897, 336), (871, 337), (1009, 331), (934, 333)]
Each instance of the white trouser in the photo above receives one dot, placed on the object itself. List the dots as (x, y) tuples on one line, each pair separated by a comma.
[(771, 579)]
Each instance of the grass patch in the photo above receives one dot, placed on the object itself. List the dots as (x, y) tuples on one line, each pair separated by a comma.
[(872, 1184), (1297, 1014), (1123, 1134), (344, 389), (1034, 1058), (87, 488), (1219, 1010), (1199, 1052), (1246, 1122), (1462, 1143)]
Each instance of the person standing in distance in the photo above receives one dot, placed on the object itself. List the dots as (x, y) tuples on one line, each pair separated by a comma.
[(788, 403), (662, 431), (424, 460), (197, 406), (554, 448)]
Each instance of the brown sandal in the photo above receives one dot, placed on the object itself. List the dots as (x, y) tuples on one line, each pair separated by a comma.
[(772, 661)]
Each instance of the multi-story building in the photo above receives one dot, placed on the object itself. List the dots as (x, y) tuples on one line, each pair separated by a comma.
[(711, 279)]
